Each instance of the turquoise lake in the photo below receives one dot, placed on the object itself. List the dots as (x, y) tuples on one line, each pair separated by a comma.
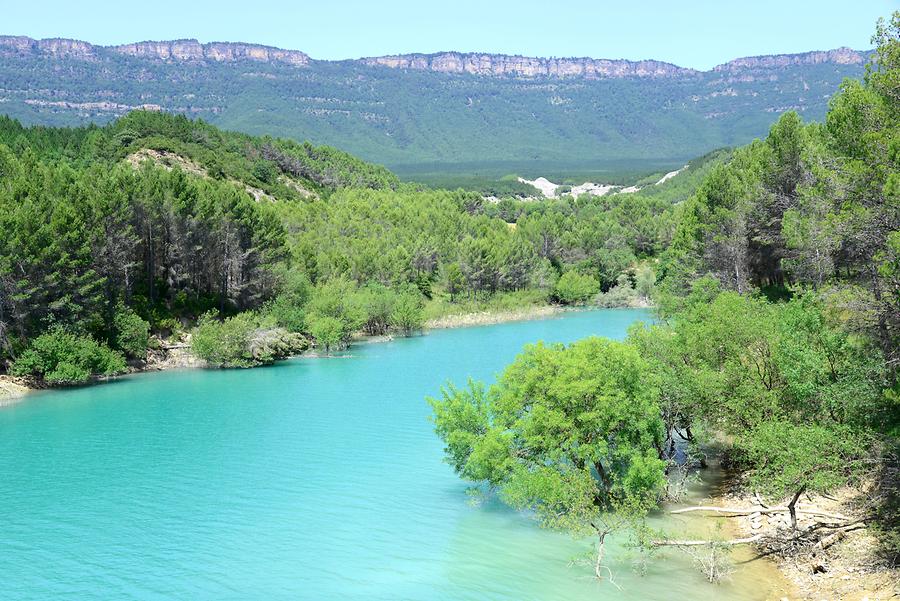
[(314, 479)]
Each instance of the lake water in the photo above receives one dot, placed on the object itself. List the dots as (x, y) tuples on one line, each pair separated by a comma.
[(313, 479)]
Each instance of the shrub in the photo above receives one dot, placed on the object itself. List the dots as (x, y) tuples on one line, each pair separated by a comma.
[(378, 302), (286, 313), (574, 288), (335, 312), (225, 343), (62, 357), (329, 332), (409, 312), (132, 333), (245, 340), (620, 295)]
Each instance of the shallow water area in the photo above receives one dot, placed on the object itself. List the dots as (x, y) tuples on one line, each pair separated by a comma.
[(312, 479)]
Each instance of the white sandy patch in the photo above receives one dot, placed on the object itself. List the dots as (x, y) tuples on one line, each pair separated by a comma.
[(670, 175), (546, 187), (549, 189), (592, 189)]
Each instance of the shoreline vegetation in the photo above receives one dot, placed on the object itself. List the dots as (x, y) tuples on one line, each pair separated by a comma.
[(178, 355)]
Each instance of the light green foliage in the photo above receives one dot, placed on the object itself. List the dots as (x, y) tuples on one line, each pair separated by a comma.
[(225, 343), (287, 308), (574, 288), (827, 374), (645, 281), (336, 312), (788, 459), (60, 357), (330, 332), (569, 432), (379, 303), (244, 340), (132, 333), (408, 314)]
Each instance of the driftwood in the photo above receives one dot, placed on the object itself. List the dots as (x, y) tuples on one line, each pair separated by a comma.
[(838, 536), (699, 543), (748, 511)]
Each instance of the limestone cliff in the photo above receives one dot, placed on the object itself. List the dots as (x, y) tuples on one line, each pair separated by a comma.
[(498, 65), (838, 56), (531, 67), (173, 50)]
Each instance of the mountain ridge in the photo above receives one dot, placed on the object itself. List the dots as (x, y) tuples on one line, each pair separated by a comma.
[(469, 111), (451, 61)]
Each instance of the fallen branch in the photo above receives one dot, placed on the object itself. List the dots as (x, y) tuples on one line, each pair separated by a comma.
[(698, 543), (759, 501), (751, 510), (836, 537)]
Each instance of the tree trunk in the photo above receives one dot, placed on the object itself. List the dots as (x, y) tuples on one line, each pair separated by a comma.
[(598, 562), (792, 507)]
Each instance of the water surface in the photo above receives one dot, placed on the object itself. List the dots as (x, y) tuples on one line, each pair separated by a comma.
[(314, 479)]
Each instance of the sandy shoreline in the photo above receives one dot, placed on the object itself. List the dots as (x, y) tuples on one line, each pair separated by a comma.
[(12, 390), (481, 318)]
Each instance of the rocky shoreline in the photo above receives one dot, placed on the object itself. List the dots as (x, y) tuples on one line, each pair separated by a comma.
[(840, 563)]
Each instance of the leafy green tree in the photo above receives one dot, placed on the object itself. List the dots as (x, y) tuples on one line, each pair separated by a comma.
[(329, 332), (338, 301), (408, 314), (132, 334), (378, 302), (574, 288), (571, 433), (224, 343)]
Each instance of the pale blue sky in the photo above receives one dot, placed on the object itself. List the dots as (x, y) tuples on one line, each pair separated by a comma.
[(691, 33)]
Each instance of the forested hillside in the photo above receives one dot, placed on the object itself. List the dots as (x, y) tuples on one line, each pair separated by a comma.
[(150, 223), (779, 300), (444, 113)]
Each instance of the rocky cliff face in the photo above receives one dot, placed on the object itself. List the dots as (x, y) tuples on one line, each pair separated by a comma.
[(192, 50), (175, 50), (54, 47), (838, 56), (498, 65), (523, 66)]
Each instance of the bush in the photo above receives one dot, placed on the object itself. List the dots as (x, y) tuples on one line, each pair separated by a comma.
[(225, 343), (61, 357), (409, 312), (329, 332), (245, 340), (132, 334), (286, 313), (574, 288), (335, 312), (287, 307), (620, 295), (378, 302)]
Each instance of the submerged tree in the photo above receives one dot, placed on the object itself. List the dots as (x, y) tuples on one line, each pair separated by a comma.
[(571, 433)]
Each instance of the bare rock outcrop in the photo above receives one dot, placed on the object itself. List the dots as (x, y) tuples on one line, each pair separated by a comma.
[(171, 50), (530, 67), (838, 56)]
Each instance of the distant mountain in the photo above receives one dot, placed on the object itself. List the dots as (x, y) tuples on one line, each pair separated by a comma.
[(428, 111)]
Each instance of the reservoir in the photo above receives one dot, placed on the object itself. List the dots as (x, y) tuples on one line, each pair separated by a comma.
[(315, 479)]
